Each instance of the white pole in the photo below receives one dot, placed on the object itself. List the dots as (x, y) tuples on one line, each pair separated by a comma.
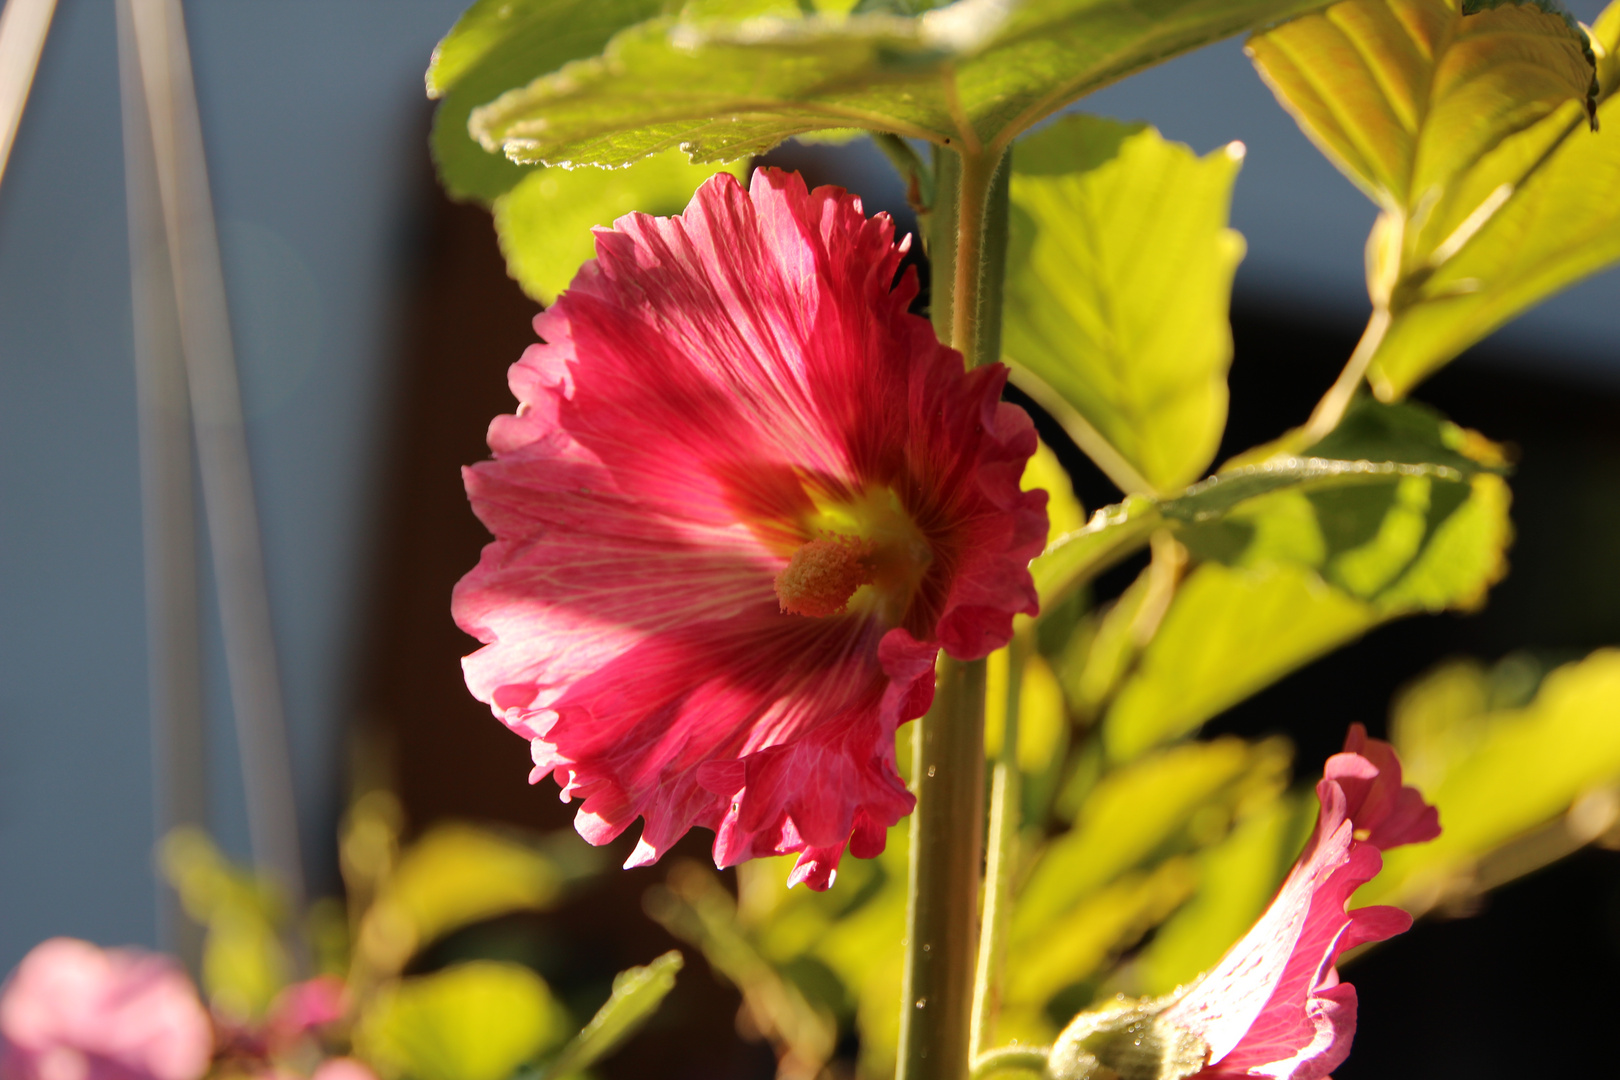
[(216, 406), (23, 26)]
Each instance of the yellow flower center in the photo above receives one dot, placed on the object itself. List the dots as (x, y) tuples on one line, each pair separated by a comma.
[(864, 553)]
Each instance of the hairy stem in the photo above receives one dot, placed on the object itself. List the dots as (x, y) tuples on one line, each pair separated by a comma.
[(1005, 797), (967, 257), (947, 763), (1330, 410)]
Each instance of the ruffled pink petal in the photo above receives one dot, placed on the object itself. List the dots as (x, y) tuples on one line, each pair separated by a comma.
[(1392, 814), (705, 384), (1274, 1006), (72, 1011)]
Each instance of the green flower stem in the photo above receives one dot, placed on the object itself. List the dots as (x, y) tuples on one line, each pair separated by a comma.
[(1330, 410), (1005, 798), (948, 743), (947, 762)]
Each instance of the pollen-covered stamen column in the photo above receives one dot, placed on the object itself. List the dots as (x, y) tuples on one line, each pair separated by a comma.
[(967, 256)]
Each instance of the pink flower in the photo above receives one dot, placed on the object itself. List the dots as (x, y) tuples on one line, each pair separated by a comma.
[(1274, 1005), (343, 1068), (72, 1011), (744, 501), (305, 1007)]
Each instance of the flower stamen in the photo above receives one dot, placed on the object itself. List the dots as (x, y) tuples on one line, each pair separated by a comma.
[(823, 574)]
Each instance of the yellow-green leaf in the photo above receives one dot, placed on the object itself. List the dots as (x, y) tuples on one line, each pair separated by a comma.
[(1450, 118), (974, 73), (544, 223), (455, 875), (1555, 226), (1120, 277), (499, 44), (1135, 813), (1498, 774), (474, 1021), (1407, 96), (1293, 572), (636, 995)]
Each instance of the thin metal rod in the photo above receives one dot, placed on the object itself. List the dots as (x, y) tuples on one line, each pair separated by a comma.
[(24, 25), (216, 405), (168, 506)]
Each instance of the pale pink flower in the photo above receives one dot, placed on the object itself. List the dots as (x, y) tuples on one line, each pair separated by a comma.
[(343, 1068), (72, 1011), (1274, 1005), (745, 499)]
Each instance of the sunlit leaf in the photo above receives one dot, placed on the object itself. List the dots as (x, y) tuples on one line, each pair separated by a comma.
[(474, 1021), (1063, 510), (1071, 947), (544, 223), (1557, 227), (975, 72), (1469, 129), (1236, 880), (1374, 447), (637, 993), (499, 44), (244, 964), (1119, 279), (455, 875), (1293, 572), (1228, 633), (1135, 813), (1516, 786)]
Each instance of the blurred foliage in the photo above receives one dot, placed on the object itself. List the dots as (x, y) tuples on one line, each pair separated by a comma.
[(1522, 773), (244, 965), (479, 1019), (1117, 294), (474, 1021)]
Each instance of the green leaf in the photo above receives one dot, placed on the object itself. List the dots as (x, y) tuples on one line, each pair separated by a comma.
[(455, 875), (1516, 785), (1407, 97), (499, 44), (974, 73), (474, 1021), (1073, 559), (1120, 277), (1133, 815), (637, 993), (244, 965), (1228, 633), (1374, 446), (1450, 118), (544, 223), (1297, 569), (1555, 227), (1236, 881), (1063, 510)]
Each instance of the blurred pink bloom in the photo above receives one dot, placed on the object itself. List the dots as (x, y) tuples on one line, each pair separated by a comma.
[(72, 1011), (305, 1007), (344, 1068), (744, 501), (1274, 1006)]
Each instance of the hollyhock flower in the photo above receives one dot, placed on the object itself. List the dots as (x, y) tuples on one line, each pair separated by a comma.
[(72, 1011), (744, 501), (1274, 1006)]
